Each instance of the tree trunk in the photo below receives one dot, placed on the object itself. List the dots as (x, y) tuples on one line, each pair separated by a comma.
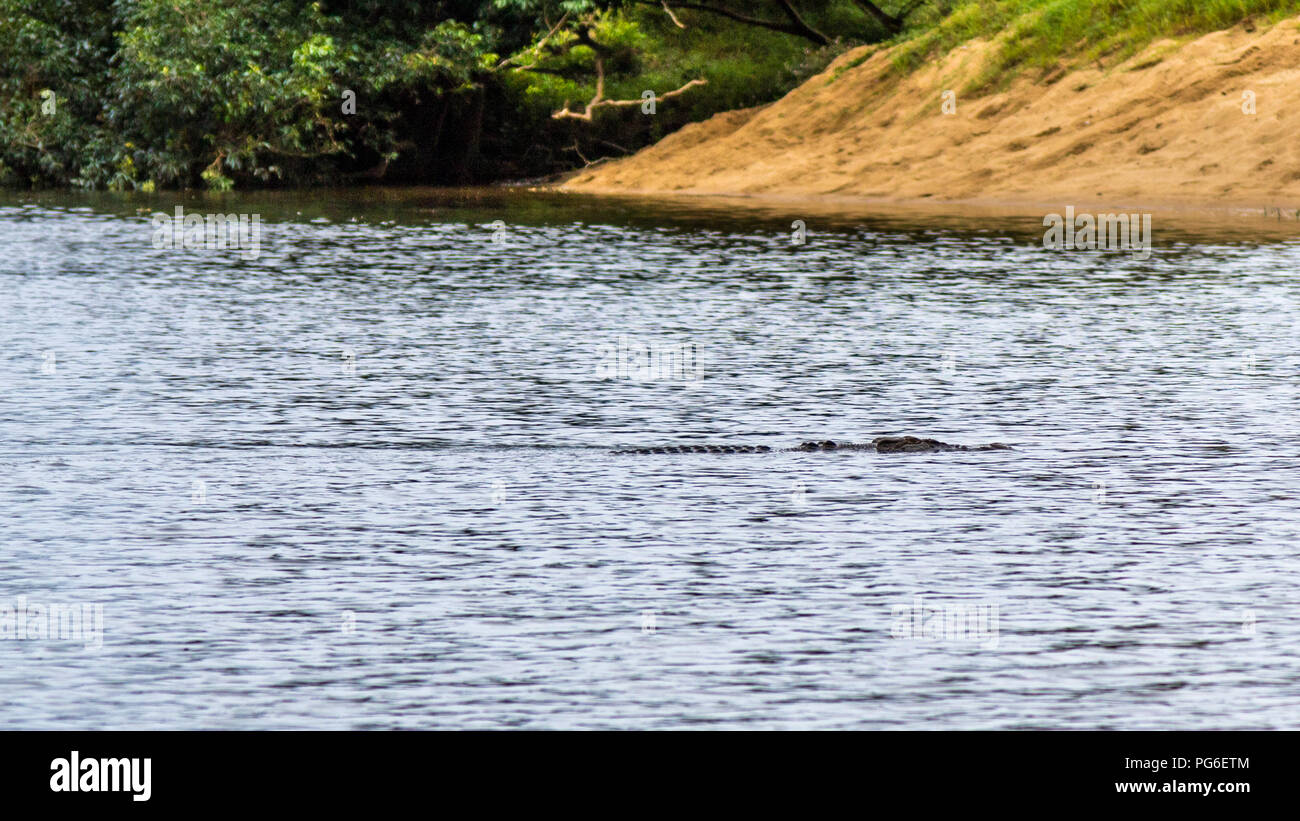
[(893, 23), (796, 27)]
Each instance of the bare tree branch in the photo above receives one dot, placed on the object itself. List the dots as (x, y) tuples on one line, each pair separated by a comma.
[(672, 16), (599, 100)]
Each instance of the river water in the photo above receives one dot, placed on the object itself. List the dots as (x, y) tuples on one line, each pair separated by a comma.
[(365, 479)]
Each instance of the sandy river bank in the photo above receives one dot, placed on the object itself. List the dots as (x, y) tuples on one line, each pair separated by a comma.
[(1205, 124)]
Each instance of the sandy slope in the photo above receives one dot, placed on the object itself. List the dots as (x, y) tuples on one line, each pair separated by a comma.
[(1164, 128)]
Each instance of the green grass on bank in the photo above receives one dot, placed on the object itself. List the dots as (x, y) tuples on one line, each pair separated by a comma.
[(1040, 36)]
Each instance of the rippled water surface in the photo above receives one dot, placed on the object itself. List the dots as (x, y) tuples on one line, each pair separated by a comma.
[(365, 480)]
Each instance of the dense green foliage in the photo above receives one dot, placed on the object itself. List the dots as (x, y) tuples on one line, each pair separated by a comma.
[(145, 93), (172, 91), (137, 94)]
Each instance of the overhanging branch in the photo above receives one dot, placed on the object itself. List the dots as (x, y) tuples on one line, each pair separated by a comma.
[(599, 100)]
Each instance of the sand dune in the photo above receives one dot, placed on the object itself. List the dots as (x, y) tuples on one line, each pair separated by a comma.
[(1167, 127)]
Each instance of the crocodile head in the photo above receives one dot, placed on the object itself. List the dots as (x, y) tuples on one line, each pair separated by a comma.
[(826, 445), (914, 444), (909, 444)]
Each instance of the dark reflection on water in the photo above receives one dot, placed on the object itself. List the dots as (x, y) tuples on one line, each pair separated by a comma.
[(363, 480)]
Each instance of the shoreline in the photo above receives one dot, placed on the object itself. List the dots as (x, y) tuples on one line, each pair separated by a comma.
[(1187, 216), (1244, 208)]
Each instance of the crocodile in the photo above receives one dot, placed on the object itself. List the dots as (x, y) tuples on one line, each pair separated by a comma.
[(881, 444)]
